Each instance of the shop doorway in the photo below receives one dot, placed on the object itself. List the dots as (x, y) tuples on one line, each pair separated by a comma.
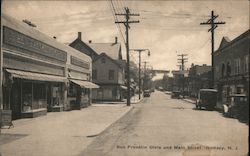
[(15, 101)]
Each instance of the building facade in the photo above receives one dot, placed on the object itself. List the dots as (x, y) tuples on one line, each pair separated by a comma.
[(232, 67), (108, 68), (199, 77), (180, 81), (109, 75), (36, 70)]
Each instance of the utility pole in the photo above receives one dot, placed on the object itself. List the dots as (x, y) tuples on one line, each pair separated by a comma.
[(126, 23), (144, 78), (213, 25), (182, 60), (140, 50)]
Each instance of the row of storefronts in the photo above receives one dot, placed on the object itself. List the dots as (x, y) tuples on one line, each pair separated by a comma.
[(40, 74)]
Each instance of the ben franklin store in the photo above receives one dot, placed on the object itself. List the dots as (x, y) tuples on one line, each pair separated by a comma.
[(33, 70)]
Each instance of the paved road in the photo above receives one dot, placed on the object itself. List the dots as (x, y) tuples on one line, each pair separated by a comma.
[(162, 126)]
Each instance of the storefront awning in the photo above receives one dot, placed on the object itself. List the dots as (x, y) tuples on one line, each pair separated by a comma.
[(35, 76), (85, 84)]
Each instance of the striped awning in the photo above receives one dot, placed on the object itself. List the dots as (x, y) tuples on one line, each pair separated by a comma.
[(84, 84), (35, 76)]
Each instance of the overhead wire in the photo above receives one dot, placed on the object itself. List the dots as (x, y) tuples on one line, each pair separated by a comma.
[(113, 10)]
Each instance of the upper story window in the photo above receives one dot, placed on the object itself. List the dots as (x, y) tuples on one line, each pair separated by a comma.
[(103, 60), (228, 69), (94, 74), (111, 74), (223, 70), (237, 66), (246, 64)]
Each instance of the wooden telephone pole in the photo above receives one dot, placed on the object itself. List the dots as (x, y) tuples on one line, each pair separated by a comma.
[(213, 25), (126, 23), (140, 50), (144, 78), (182, 62)]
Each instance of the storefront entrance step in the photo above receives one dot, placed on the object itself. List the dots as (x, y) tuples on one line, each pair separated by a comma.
[(34, 113), (57, 109)]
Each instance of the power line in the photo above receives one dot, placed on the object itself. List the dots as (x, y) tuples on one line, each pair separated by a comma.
[(213, 25), (182, 60), (115, 18), (126, 24)]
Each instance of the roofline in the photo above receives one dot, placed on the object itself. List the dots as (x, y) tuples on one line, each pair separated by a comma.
[(88, 47), (58, 45), (245, 34), (105, 55)]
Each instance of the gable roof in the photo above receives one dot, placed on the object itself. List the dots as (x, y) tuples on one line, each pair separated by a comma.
[(113, 50), (106, 56), (225, 40), (77, 42)]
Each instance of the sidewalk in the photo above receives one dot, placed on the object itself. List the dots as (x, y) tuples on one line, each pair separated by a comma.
[(133, 100), (59, 133)]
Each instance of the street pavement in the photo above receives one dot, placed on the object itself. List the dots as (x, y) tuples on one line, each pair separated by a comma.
[(59, 133), (161, 126)]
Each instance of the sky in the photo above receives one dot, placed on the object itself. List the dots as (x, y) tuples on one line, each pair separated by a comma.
[(167, 27)]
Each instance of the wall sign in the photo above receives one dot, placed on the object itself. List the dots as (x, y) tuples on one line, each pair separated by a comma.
[(78, 62), (17, 39)]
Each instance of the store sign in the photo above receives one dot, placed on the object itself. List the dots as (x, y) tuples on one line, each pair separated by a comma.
[(80, 63), (6, 119), (17, 39)]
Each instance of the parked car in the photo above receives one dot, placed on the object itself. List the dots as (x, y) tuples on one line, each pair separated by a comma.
[(175, 94), (207, 98), (146, 93), (238, 107)]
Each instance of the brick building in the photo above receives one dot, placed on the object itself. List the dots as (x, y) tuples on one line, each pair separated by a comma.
[(199, 77), (232, 66)]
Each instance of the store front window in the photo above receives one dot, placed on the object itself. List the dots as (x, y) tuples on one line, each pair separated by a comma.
[(33, 96), (39, 96), (72, 92)]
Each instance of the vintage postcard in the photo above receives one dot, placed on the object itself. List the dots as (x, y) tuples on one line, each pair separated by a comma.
[(124, 78)]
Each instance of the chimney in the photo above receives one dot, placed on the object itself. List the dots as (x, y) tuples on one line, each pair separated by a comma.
[(90, 41), (80, 35), (116, 39)]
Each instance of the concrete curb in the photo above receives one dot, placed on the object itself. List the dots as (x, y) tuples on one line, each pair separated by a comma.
[(111, 124), (189, 101), (136, 102)]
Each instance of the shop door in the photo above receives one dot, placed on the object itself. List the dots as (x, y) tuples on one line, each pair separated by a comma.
[(49, 98), (15, 101)]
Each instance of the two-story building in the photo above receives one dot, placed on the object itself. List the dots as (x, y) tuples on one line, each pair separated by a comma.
[(199, 77), (109, 75), (108, 68), (38, 71), (232, 66)]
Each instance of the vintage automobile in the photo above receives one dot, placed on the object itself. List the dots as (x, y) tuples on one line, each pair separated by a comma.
[(175, 94), (207, 98), (146, 93), (238, 107)]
